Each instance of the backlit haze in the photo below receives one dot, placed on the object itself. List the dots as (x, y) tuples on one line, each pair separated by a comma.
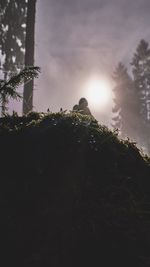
[(78, 45)]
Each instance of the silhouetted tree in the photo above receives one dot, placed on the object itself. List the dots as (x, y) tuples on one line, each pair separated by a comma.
[(29, 54), (12, 42), (124, 109), (141, 73)]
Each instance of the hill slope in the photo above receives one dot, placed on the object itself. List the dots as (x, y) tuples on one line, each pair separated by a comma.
[(73, 194)]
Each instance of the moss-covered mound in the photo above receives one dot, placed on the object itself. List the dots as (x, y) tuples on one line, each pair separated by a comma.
[(73, 194)]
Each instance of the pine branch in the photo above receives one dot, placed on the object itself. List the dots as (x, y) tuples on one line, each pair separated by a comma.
[(8, 88), (27, 73)]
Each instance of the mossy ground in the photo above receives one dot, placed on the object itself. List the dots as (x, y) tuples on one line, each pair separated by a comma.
[(73, 193)]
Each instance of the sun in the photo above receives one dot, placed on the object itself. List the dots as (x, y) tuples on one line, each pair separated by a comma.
[(98, 92)]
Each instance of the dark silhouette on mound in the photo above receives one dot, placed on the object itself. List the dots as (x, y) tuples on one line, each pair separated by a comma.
[(82, 107), (73, 194), (75, 108)]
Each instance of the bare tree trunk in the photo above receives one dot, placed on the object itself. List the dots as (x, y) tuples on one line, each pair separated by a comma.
[(29, 55)]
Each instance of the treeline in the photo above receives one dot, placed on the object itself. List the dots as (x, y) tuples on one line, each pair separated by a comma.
[(131, 111)]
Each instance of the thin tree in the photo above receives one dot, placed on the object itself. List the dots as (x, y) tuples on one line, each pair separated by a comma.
[(29, 54)]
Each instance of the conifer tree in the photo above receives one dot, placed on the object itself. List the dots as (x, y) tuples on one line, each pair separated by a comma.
[(124, 109), (141, 74), (12, 42), (8, 87)]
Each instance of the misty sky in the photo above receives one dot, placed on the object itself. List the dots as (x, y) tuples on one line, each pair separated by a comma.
[(75, 39)]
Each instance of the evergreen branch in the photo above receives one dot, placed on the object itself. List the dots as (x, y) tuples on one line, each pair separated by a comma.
[(27, 73), (8, 88)]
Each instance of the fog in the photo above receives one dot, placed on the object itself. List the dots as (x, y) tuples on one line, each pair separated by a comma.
[(76, 39)]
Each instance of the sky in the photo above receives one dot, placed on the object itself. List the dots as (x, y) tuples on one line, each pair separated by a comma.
[(77, 39)]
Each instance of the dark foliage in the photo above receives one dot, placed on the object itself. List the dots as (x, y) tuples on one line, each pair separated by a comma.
[(8, 87), (12, 41), (73, 194)]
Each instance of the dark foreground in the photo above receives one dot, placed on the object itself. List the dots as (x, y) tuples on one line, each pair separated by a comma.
[(73, 194)]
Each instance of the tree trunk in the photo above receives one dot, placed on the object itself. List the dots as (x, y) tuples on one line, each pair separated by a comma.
[(29, 55), (4, 101)]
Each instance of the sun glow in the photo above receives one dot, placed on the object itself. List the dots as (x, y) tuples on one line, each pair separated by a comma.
[(98, 92)]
